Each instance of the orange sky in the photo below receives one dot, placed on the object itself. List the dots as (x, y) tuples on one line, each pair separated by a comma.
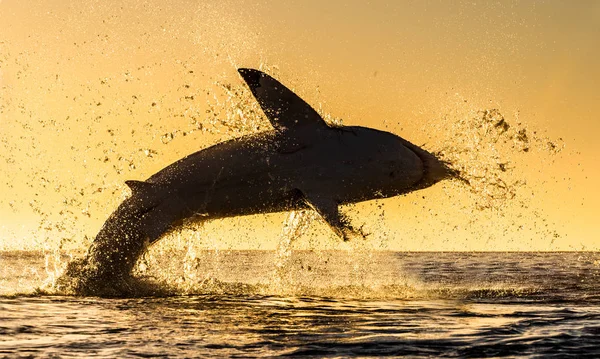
[(88, 90)]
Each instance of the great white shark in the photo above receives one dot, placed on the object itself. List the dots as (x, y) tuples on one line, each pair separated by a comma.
[(302, 163)]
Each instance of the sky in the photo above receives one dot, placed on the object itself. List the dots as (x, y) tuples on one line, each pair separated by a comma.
[(93, 93)]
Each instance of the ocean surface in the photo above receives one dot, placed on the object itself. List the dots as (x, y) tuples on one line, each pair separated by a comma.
[(313, 304)]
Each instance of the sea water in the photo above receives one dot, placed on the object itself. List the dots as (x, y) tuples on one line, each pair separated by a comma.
[(318, 304)]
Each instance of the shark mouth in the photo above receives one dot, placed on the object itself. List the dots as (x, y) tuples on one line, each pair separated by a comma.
[(434, 169)]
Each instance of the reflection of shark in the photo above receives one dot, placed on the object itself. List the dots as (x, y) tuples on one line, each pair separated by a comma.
[(302, 163)]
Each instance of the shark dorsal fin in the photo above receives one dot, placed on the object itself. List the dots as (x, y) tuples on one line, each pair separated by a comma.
[(285, 110), (137, 186)]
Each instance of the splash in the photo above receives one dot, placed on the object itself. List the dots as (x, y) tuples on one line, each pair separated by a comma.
[(483, 149), (296, 223), (185, 266)]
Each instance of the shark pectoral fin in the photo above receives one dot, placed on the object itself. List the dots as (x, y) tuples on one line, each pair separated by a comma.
[(137, 186), (327, 208), (285, 110)]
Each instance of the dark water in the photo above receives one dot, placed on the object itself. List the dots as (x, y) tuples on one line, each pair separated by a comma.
[(318, 304)]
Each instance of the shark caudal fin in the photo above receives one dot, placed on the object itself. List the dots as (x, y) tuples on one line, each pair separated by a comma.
[(285, 110)]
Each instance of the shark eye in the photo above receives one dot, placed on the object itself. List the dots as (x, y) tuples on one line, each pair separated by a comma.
[(392, 174)]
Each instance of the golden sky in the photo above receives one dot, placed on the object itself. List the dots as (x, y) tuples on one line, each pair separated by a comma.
[(93, 93)]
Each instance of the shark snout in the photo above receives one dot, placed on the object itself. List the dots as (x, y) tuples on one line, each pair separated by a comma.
[(251, 76), (434, 170)]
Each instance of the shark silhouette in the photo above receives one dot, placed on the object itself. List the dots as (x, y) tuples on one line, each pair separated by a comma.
[(302, 163)]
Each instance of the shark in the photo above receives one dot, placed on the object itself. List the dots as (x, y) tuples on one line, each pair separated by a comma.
[(302, 163)]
